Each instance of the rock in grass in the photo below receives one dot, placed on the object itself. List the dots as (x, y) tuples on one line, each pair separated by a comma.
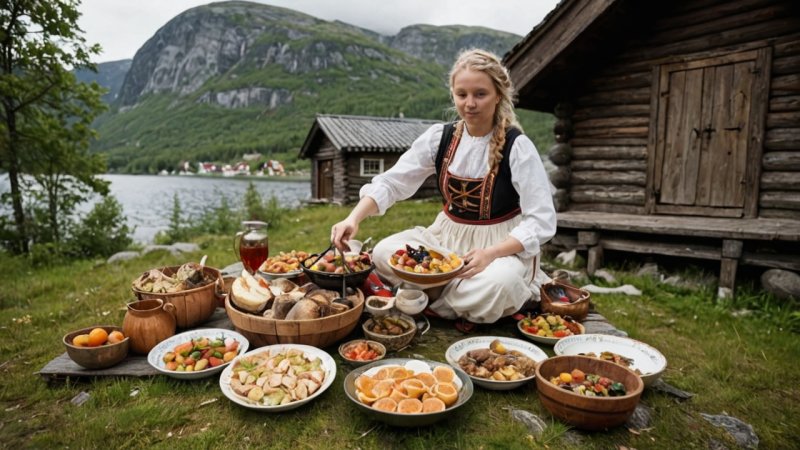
[(534, 424), (640, 418), (743, 433), (122, 256), (663, 386), (781, 283), (186, 247)]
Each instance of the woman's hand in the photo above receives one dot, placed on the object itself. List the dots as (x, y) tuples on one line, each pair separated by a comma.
[(343, 232), (475, 261)]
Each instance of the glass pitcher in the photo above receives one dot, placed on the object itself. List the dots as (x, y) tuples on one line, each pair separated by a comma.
[(252, 244)]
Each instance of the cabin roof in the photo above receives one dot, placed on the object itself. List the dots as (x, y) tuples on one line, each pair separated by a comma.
[(574, 38), (364, 133)]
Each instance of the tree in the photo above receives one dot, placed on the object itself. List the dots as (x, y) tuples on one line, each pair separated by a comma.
[(45, 112)]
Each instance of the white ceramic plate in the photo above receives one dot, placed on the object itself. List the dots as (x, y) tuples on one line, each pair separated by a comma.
[(154, 358), (328, 365), (545, 339), (271, 276), (457, 350), (647, 359)]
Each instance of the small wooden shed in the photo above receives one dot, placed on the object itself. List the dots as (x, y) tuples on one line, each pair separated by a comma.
[(678, 126), (347, 151)]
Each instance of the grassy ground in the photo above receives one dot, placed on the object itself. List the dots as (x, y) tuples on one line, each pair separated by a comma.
[(742, 366)]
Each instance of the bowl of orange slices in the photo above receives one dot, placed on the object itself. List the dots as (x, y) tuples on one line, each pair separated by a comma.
[(98, 347), (406, 392)]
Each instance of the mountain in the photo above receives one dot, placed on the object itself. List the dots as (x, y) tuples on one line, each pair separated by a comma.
[(110, 75), (230, 78)]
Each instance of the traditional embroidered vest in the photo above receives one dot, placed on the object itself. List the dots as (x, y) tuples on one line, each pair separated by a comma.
[(477, 201)]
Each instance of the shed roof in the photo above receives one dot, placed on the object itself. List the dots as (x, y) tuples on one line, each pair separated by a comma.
[(364, 133), (574, 38)]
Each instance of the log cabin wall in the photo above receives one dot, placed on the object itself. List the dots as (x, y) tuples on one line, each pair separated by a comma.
[(611, 115), (355, 181)]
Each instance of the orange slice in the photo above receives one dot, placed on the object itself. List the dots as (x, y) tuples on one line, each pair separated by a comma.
[(385, 404), (383, 372), (365, 383), (426, 378), (446, 392), (426, 396), (414, 387), (365, 398), (444, 374), (398, 395), (432, 404), (383, 388), (400, 373), (409, 406)]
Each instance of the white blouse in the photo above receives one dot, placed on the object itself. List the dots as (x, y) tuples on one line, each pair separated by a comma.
[(471, 160)]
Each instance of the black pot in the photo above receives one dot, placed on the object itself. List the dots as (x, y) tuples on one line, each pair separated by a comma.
[(333, 281)]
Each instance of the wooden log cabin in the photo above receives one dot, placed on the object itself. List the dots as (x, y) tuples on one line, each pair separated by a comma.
[(347, 151), (677, 127)]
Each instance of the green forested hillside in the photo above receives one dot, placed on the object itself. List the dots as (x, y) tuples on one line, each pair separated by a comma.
[(199, 92)]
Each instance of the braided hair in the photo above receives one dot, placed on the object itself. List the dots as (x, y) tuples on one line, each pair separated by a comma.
[(504, 115)]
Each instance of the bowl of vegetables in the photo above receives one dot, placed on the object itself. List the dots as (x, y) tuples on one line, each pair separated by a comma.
[(197, 353), (549, 328), (362, 351), (425, 266), (588, 393)]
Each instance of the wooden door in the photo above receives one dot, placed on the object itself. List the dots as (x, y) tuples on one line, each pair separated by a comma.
[(325, 179), (708, 135)]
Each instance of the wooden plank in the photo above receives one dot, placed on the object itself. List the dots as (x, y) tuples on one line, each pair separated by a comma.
[(610, 122), (712, 227), (596, 112), (617, 208), (727, 273), (588, 237), (779, 199), (789, 103), (609, 153), (650, 247), (783, 119), (616, 97), (694, 210), (636, 178), (781, 160), (620, 81), (786, 262), (791, 47), (611, 164), (775, 213), (636, 132), (732, 248), (786, 65), (633, 195), (785, 85), (655, 138), (594, 260), (789, 181), (782, 139), (701, 13)]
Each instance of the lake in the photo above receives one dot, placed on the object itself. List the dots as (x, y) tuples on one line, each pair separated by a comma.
[(147, 199)]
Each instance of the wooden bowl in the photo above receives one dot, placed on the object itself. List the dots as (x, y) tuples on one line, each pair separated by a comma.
[(95, 358), (261, 331), (424, 279), (588, 413), (192, 306), (577, 308), (392, 342), (377, 347)]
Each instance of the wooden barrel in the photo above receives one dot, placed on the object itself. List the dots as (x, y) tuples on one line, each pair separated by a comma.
[(320, 333), (192, 306)]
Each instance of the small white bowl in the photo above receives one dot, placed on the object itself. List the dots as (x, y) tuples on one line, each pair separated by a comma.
[(388, 304), (411, 301)]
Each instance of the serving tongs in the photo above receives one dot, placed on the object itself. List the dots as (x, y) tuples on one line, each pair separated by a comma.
[(343, 298)]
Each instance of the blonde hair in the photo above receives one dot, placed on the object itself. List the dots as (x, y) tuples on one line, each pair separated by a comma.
[(504, 115)]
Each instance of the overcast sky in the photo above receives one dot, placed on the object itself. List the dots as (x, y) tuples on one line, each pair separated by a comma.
[(122, 26)]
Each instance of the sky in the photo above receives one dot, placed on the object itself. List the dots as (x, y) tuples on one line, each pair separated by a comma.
[(122, 26)]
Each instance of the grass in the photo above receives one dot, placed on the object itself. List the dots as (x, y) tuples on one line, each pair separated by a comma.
[(742, 366)]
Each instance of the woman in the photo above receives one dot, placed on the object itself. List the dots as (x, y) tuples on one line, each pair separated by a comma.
[(498, 208)]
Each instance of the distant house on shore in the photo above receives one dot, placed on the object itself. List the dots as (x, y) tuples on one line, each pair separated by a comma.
[(347, 151), (678, 127), (203, 168)]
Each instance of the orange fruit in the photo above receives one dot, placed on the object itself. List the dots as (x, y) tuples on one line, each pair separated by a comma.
[(426, 378), (446, 392), (415, 388), (115, 337), (385, 404), (398, 395), (97, 337), (443, 374), (432, 404), (81, 340), (409, 406), (383, 388)]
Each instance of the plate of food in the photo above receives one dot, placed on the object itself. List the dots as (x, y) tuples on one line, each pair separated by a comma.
[(425, 265), (549, 328), (643, 359), (197, 353), (496, 363), (283, 265), (278, 377), (408, 392)]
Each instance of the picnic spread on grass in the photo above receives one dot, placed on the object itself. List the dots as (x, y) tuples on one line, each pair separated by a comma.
[(264, 334)]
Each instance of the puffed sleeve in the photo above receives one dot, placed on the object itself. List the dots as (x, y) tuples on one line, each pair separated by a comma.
[(407, 175), (535, 198)]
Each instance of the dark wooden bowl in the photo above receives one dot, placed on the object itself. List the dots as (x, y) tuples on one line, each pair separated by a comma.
[(588, 413), (333, 281), (101, 357)]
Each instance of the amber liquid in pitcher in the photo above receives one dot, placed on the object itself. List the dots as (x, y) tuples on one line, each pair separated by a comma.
[(253, 256)]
